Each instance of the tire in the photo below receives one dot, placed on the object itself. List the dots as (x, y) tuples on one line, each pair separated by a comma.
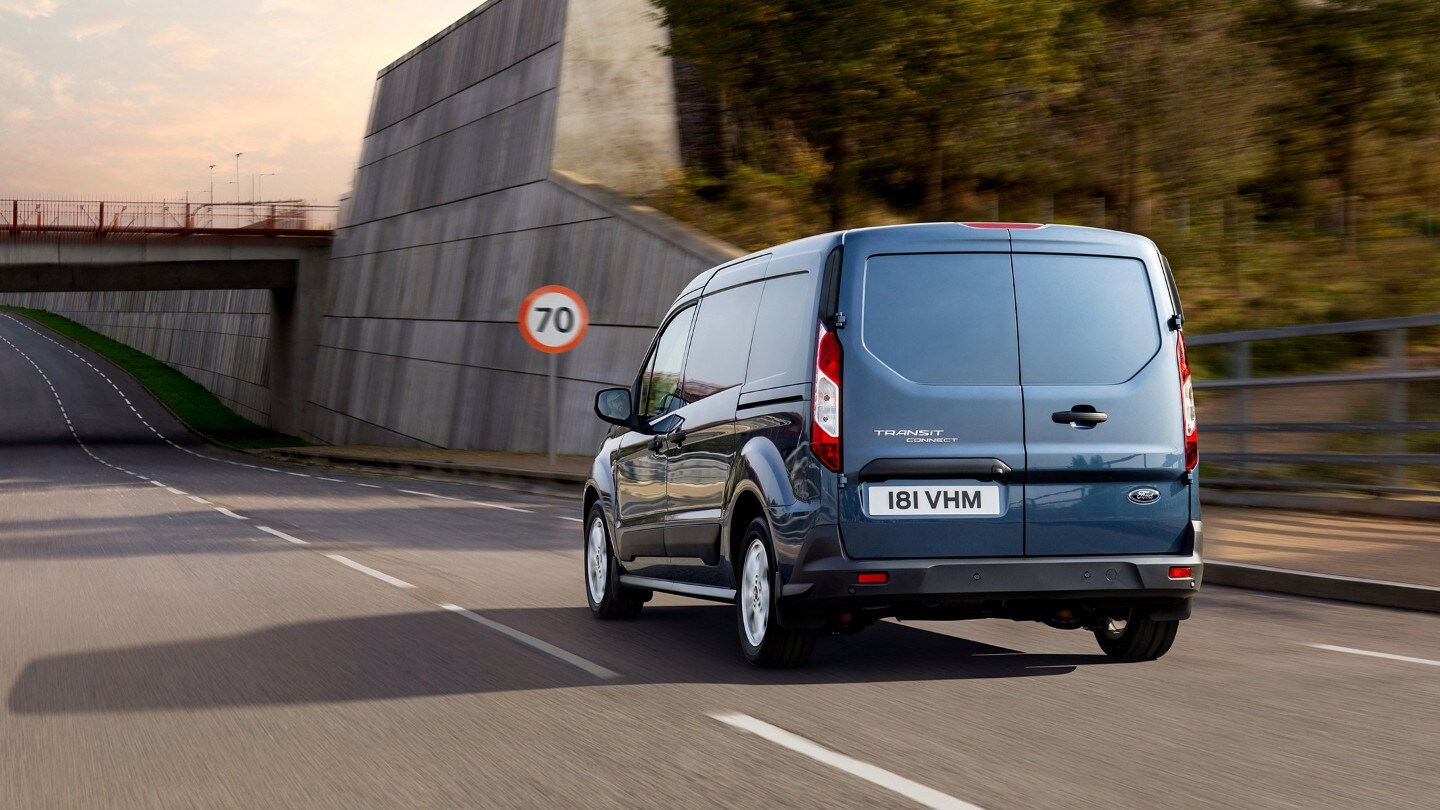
[(607, 597), (762, 639), (1137, 637)]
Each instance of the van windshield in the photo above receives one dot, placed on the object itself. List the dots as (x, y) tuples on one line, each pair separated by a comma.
[(942, 318)]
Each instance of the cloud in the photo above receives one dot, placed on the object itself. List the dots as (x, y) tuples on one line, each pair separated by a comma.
[(30, 8), (16, 68), (98, 29), (186, 43)]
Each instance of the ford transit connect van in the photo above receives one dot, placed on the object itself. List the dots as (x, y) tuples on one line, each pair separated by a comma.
[(943, 421)]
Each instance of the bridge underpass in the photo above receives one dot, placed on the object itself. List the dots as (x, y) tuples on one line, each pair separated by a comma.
[(275, 261)]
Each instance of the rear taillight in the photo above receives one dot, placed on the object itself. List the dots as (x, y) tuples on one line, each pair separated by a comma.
[(1187, 407), (825, 403)]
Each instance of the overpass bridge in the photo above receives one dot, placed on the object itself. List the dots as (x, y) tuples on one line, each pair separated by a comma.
[(102, 262)]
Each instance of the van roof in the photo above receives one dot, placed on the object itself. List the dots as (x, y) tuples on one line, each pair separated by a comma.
[(1036, 237)]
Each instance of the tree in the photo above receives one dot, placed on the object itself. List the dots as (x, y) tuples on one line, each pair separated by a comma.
[(1359, 67), (819, 66), (969, 64)]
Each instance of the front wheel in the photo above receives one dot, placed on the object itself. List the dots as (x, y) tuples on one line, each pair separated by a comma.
[(607, 597), (762, 639), (1135, 636)]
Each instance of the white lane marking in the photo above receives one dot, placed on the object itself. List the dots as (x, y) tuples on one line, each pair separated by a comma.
[(490, 505), (227, 513), (297, 475), (368, 486), (176, 491), (428, 495), (365, 569), (156, 483), (331, 480), (916, 792), (530, 641), (282, 535), (198, 499), (572, 520), (1388, 656)]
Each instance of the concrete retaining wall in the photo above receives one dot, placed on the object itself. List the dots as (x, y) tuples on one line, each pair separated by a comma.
[(219, 338), (461, 208)]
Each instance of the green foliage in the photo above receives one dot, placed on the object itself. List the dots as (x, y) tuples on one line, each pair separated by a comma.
[(1285, 154), (191, 403)]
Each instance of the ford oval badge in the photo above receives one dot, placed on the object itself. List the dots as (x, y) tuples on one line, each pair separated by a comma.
[(1145, 495)]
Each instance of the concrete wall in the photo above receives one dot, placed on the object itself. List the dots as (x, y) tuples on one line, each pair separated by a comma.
[(461, 208), (219, 338)]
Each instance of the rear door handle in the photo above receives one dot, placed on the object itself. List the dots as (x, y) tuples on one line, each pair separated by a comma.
[(1079, 415)]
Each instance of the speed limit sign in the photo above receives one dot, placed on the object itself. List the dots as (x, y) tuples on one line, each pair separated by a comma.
[(553, 319)]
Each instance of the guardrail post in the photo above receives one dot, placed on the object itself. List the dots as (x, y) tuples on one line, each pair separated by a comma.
[(1397, 408), (1240, 369)]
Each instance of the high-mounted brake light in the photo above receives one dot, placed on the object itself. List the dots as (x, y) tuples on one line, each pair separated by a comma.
[(1187, 406), (825, 402), (1019, 226)]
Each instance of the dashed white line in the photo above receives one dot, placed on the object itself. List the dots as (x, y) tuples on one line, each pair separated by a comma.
[(912, 790), (156, 483), (1388, 656), (297, 475), (282, 535), (198, 499), (331, 480), (365, 569), (227, 513), (530, 641), (176, 491), (367, 486), (428, 495), (489, 505), (573, 520)]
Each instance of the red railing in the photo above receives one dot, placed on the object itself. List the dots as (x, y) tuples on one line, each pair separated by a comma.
[(101, 218)]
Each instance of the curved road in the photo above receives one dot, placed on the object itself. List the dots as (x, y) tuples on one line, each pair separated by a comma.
[(186, 627)]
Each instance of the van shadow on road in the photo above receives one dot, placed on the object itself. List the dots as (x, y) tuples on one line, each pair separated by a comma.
[(439, 653)]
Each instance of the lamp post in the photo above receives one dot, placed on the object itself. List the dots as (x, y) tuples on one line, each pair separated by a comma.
[(212, 184), (260, 185), (237, 176)]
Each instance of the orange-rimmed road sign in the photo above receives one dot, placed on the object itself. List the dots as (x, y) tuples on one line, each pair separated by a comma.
[(554, 319)]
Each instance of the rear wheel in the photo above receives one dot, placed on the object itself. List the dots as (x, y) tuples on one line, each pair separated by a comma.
[(764, 642), (607, 597), (1135, 636)]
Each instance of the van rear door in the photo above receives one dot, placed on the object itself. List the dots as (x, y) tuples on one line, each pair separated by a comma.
[(1094, 338), (931, 409)]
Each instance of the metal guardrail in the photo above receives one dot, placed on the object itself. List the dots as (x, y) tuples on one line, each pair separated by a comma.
[(1396, 427), (102, 218)]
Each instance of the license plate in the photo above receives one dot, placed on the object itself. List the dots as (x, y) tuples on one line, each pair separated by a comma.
[(932, 499)]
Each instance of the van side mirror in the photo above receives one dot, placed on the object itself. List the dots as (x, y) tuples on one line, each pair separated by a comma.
[(614, 406)]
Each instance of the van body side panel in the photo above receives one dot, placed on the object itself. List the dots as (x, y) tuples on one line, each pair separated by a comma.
[(1093, 337), (930, 377)]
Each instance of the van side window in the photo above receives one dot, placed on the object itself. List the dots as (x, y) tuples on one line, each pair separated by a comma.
[(660, 383), (720, 347), (782, 350)]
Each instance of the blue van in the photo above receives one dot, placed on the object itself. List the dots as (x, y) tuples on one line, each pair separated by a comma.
[(941, 421)]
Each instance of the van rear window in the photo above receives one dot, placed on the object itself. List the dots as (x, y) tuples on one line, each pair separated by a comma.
[(942, 318), (1084, 320)]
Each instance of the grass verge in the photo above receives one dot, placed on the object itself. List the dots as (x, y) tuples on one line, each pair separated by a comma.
[(188, 400)]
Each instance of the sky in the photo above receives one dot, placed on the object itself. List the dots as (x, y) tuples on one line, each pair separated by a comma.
[(134, 99)]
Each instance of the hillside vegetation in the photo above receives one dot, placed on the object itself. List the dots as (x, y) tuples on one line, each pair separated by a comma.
[(1285, 154)]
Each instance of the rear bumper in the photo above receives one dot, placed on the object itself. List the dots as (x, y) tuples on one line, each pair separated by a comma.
[(824, 578)]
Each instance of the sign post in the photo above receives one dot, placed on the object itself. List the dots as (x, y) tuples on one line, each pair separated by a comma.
[(553, 319)]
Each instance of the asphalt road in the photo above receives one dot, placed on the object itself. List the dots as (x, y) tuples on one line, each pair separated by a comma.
[(184, 627)]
